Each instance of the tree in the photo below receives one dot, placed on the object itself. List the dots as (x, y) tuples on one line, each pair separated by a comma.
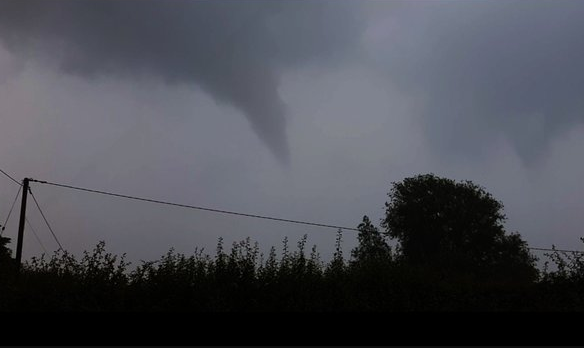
[(372, 248), (454, 226), (5, 252), (6, 260)]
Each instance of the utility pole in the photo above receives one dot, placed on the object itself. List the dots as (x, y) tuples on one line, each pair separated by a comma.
[(21, 224)]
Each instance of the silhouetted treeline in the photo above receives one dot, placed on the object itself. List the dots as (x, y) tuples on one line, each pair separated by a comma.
[(242, 279), (452, 254)]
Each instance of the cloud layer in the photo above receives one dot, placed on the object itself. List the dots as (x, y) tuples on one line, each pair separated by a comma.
[(95, 94), (482, 69), (234, 50)]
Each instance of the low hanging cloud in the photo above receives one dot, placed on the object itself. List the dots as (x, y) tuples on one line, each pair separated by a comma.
[(479, 70), (487, 69), (234, 50)]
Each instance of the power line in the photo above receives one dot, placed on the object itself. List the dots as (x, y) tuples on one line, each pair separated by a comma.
[(46, 221), (35, 235), (231, 212), (10, 212), (561, 250), (10, 177), (195, 207)]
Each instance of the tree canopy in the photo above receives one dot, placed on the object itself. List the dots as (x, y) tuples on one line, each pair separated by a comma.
[(372, 248), (454, 226), (5, 254)]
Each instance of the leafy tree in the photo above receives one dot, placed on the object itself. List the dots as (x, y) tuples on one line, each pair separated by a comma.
[(569, 266), (337, 265), (5, 252), (6, 260), (372, 248), (454, 226)]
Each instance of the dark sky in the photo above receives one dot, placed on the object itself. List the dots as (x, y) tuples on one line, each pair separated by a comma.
[(299, 109)]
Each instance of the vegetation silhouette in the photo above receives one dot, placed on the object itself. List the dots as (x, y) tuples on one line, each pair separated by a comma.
[(437, 223), (455, 227), (6, 260)]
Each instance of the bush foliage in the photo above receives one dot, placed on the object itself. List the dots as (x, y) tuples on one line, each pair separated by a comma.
[(452, 255), (243, 279)]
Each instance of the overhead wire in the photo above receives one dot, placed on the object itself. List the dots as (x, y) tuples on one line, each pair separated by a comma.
[(10, 212), (10, 177), (36, 235), (46, 221), (560, 250), (220, 211), (3, 226)]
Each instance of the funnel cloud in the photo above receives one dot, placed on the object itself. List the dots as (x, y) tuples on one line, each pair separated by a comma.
[(234, 50), (204, 102), (484, 69)]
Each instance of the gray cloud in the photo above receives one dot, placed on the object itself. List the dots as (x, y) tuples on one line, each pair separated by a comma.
[(460, 80), (234, 50), (489, 68)]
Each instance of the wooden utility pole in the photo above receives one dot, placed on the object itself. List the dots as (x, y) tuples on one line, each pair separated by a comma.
[(21, 224)]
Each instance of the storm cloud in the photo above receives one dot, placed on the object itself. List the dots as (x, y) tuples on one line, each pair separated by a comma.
[(480, 70), (488, 69), (234, 50), (146, 98)]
